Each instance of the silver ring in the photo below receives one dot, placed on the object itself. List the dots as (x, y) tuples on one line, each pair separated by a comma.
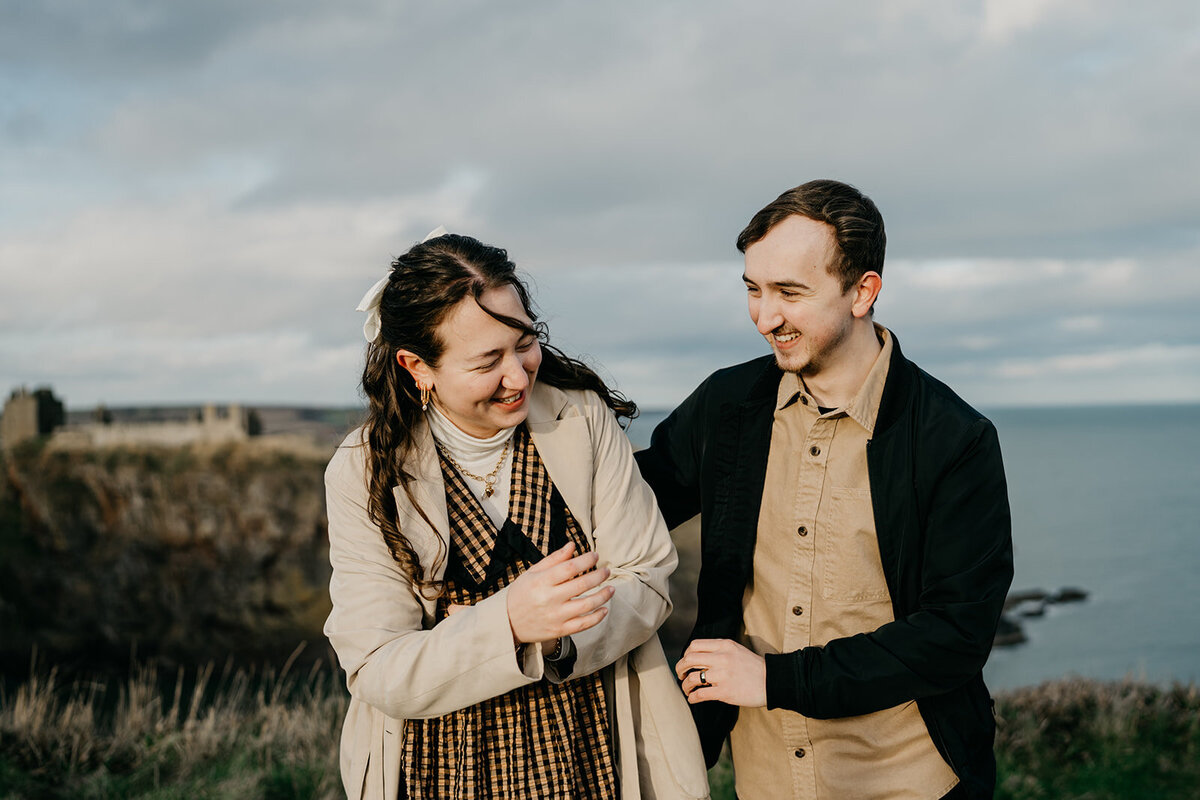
[(704, 678)]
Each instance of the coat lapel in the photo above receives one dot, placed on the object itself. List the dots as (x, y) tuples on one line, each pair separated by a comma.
[(564, 443)]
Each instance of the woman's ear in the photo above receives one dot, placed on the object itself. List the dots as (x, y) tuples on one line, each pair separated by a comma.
[(421, 374)]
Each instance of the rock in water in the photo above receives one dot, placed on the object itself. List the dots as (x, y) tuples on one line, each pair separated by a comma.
[(1023, 596), (1008, 633), (1069, 594)]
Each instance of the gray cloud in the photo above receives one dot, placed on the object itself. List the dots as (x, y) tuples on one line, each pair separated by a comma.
[(223, 180)]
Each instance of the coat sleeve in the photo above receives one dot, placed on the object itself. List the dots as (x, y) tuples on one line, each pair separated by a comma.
[(631, 539), (967, 570), (376, 629), (671, 464)]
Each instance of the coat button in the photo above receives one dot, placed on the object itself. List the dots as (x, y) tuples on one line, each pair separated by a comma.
[(799, 752), (814, 450), (802, 530), (797, 610)]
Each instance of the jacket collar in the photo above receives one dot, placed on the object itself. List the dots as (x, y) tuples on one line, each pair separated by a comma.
[(863, 408), (897, 389), (766, 387)]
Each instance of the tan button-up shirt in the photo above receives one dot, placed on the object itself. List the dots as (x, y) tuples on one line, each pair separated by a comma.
[(817, 577)]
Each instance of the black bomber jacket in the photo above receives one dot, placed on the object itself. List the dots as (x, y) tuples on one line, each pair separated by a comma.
[(941, 512)]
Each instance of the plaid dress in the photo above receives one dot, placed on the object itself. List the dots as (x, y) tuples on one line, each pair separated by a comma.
[(542, 740)]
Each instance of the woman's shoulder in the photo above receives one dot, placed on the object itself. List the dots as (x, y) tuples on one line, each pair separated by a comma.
[(349, 460)]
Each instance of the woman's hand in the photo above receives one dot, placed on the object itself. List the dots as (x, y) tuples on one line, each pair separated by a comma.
[(544, 602)]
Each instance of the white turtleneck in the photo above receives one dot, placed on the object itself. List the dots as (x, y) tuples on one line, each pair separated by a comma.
[(478, 456)]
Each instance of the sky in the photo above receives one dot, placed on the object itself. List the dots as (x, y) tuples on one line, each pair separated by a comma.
[(195, 195)]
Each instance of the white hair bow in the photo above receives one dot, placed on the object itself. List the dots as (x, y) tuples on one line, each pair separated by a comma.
[(372, 326)]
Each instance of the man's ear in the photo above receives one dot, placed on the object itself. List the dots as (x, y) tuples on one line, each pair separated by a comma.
[(865, 291), (421, 374)]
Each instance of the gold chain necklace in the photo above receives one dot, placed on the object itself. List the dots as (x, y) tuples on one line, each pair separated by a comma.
[(489, 480)]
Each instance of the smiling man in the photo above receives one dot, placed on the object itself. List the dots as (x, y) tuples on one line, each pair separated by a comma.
[(856, 545)]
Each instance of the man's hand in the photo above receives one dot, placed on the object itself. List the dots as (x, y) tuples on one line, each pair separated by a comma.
[(732, 674)]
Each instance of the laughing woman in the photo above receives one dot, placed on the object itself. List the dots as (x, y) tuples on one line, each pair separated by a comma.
[(499, 567)]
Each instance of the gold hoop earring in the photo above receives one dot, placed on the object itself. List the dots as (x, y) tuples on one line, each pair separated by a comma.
[(424, 397)]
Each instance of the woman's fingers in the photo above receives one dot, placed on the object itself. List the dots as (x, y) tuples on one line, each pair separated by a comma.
[(566, 570), (584, 583), (582, 623), (581, 606), (554, 559)]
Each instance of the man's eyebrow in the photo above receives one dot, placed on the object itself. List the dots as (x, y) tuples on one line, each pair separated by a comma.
[(780, 284)]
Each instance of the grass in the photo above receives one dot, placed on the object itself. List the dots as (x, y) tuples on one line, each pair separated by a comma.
[(273, 736), (237, 734), (1082, 739)]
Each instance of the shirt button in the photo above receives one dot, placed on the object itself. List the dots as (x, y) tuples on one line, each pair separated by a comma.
[(802, 530), (814, 450), (803, 400), (799, 752), (797, 610)]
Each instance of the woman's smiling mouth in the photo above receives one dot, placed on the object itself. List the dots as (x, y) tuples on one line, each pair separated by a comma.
[(510, 400)]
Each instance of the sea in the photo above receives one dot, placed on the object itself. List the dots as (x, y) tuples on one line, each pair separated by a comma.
[(1104, 499)]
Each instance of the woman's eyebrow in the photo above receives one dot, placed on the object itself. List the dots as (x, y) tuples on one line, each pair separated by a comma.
[(498, 351), (493, 353)]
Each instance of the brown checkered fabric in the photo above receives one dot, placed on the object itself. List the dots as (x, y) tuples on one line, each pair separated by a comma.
[(543, 740)]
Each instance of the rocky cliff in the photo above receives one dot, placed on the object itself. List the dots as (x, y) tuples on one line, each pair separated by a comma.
[(185, 554)]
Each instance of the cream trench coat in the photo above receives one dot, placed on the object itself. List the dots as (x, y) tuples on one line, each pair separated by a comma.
[(399, 665)]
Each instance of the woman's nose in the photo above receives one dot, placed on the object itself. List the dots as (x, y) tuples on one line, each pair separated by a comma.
[(515, 376)]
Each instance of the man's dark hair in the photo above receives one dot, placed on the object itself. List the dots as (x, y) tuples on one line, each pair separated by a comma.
[(857, 225)]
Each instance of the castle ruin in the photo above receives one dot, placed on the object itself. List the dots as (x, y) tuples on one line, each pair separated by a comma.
[(28, 415)]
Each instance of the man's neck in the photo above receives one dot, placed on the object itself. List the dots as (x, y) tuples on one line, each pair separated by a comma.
[(837, 382)]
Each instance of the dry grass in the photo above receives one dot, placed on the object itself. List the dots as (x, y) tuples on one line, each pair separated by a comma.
[(234, 734), (238, 734)]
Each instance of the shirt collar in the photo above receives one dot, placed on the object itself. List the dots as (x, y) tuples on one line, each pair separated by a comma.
[(863, 408)]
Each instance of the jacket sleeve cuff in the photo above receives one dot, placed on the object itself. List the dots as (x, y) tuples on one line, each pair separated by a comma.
[(783, 680), (559, 670), (525, 663)]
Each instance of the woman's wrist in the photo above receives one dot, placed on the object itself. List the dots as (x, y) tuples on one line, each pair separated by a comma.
[(555, 651)]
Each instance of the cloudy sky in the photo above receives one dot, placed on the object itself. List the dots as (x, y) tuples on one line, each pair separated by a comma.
[(194, 195)]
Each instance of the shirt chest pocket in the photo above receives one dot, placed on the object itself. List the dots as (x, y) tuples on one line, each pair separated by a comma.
[(849, 550)]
